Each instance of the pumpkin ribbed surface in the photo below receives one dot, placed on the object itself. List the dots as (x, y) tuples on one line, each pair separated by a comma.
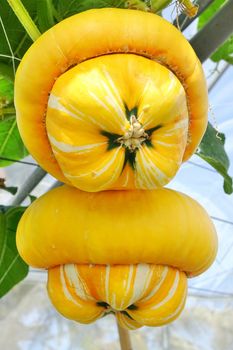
[(126, 252), (114, 99), (67, 225), (138, 295), (126, 117), (118, 121)]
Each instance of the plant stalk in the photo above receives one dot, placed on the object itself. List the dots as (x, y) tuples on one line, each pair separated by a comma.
[(124, 338), (159, 5), (188, 7), (24, 18)]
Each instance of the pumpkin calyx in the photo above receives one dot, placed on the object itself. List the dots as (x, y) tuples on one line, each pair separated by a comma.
[(134, 136)]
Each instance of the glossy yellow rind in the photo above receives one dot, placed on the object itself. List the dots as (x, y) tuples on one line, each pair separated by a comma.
[(138, 295), (117, 227), (65, 298), (90, 100), (82, 37)]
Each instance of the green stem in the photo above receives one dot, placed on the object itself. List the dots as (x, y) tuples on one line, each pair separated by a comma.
[(154, 6), (56, 15), (137, 5), (24, 18), (159, 5)]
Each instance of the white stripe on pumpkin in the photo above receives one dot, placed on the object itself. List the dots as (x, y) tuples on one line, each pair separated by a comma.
[(112, 122), (54, 103), (141, 281), (97, 173), (72, 111), (178, 309), (66, 148), (115, 92), (149, 173), (73, 300), (124, 320), (114, 100), (157, 286), (107, 278), (144, 178), (181, 124), (166, 144), (75, 280), (65, 289), (128, 281), (171, 293), (126, 179)]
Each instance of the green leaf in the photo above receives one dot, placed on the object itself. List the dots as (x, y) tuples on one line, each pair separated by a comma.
[(4, 208), (12, 268), (17, 41), (65, 9), (6, 91), (212, 151), (224, 52), (11, 145), (6, 72), (32, 198), (45, 13), (11, 189)]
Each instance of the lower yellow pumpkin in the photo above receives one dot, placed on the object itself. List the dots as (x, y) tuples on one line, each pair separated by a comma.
[(138, 295), (127, 252)]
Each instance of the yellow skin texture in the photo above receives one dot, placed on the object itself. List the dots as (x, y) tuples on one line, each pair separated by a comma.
[(90, 99), (132, 250), (70, 226), (148, 295), (80, 38), (124, 248)]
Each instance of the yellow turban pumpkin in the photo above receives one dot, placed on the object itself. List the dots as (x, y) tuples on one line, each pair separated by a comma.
[(125, 252), (111, 99)]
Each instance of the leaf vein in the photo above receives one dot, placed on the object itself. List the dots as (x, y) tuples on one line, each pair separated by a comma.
[(9, 268)]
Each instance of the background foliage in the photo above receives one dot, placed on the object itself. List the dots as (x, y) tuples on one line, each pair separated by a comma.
[(12, 268)]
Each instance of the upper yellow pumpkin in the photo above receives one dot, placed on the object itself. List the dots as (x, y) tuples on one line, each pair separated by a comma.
[(118, 121), (111, 99)]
